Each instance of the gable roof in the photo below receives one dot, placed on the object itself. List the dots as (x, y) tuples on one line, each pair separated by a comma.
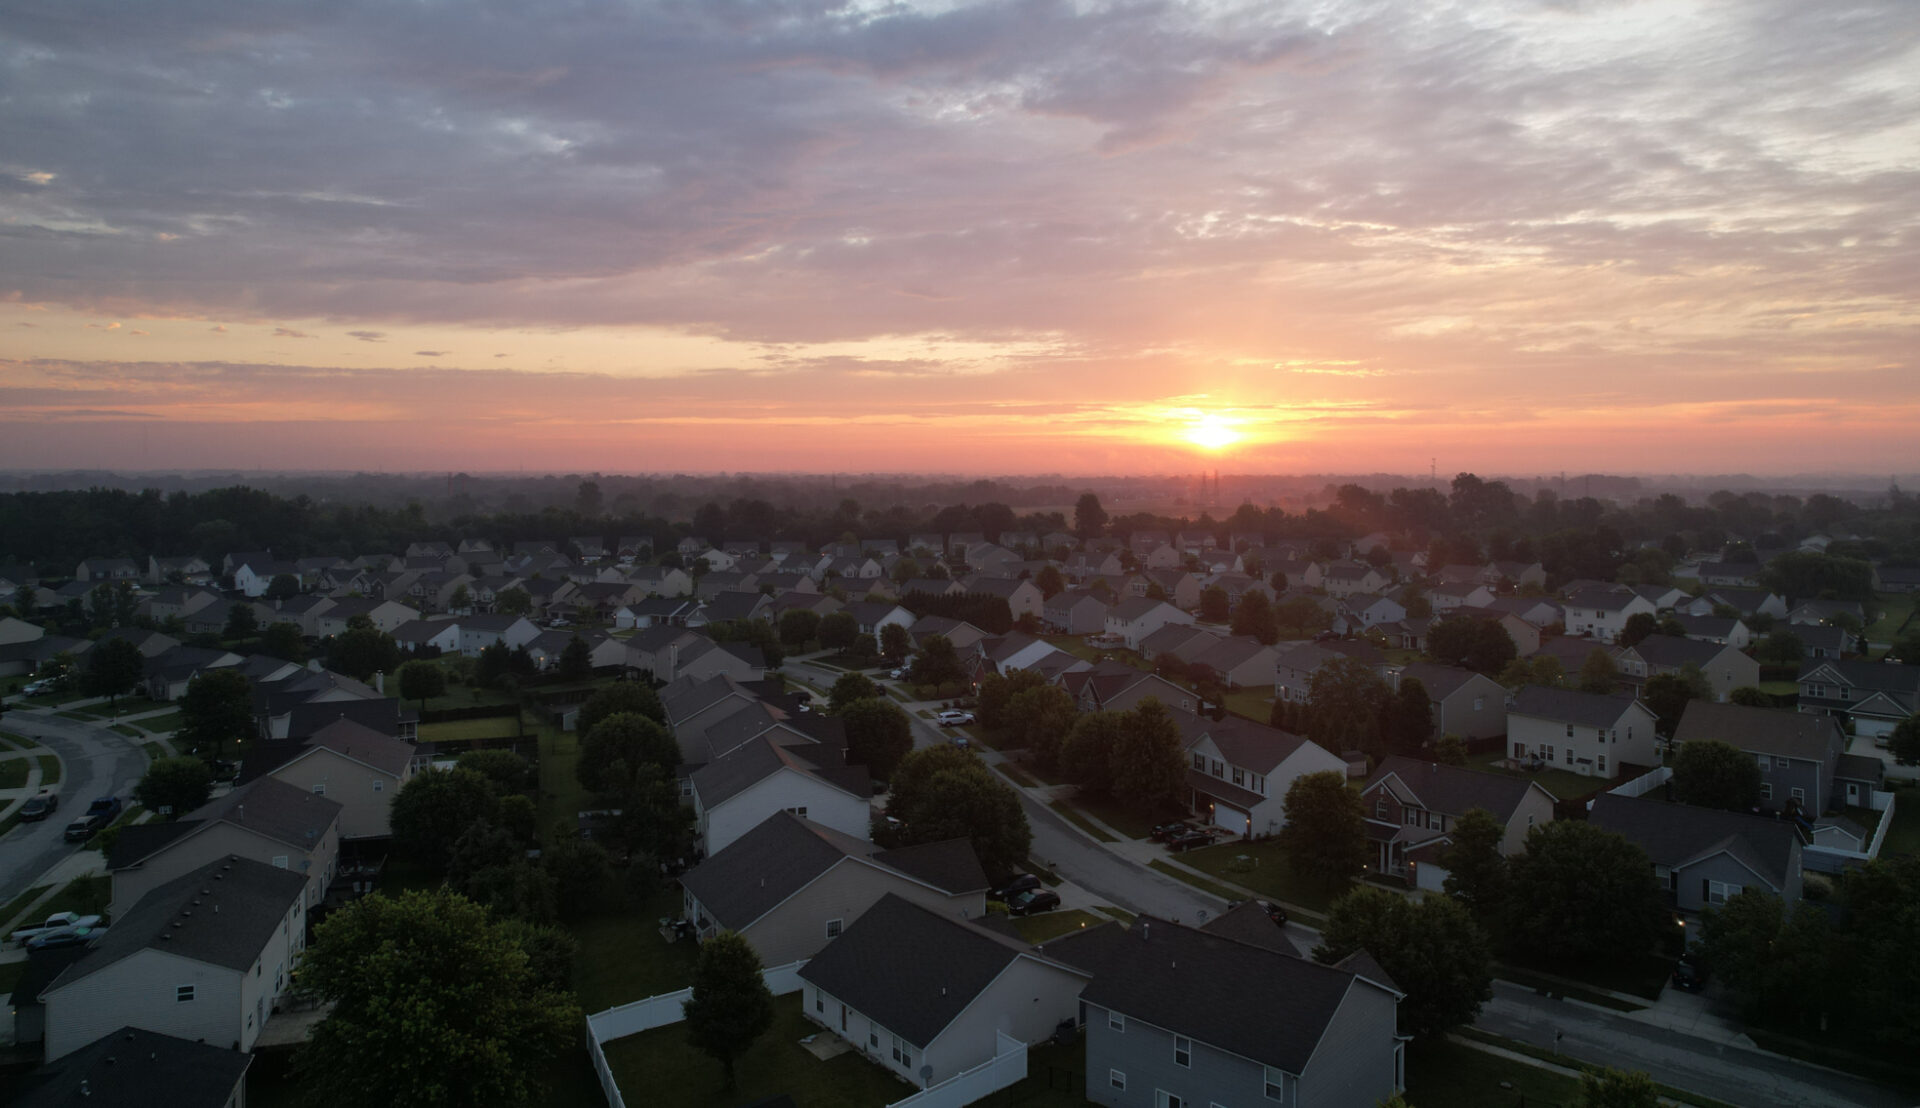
[(1760, 730), (1242, 742), (1675, 835), (911, 969), (1570, 706), (1249, 923), (270, 808), (1454, 790), (1439, 681), (733, 773), (1672, 652), (136, 1066)]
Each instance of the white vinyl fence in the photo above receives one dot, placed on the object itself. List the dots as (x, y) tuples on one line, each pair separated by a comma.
[(659, 1011), (1007, 1066)]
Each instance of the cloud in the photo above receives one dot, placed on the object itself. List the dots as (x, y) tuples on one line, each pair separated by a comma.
[(136, 331), (367, 336), (219, 328), (289, 333), (430, 353)]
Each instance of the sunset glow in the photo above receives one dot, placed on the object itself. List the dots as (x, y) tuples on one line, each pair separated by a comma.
[(1212, 433)]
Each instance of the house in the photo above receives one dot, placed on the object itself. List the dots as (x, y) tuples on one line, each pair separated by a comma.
[(1344, 579), (872, 617), (926, 995), (254, 574), (1075, 612), (790, 885), (1468, 704), (1804, 767), (738, 790), (1412, 807), (477, 632), (167, 675), (266, 820), (1581, 732), (1364, 610), (963, 635), (442, 635), (1023, 597), (1084, 565), (1182, 1015), (1747, 602), (1447, 597), (1603, 612), (129, 1065), (349, 763), (1132, 620), (1724, 667), (1819, 612), (1525, 635), (387, 615), (202, 956), (1704, 857), (1897, 579), (704, 658), (1240, 662), (188, 569), (1116, 687), (1238, 771), (1296, 665), (662, 580), (1874, 695), (1181, 640), (1522, 574), (1714, 629), (95, 570)]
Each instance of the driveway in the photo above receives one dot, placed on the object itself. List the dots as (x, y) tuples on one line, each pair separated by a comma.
[(95, 762)]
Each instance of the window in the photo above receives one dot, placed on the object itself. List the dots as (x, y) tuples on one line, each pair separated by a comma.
[(1799, 795), (1479, 703), (1218, 769), (1380, 807), (1117, 1079), (379, 786), (1434, 820), (873, 1039), (1718, 892), (800, 811), (1766, 790), (1602, 764), (819, 1003), (182, 993), (1569, 730), (1781, 763), (1260, 784), (1200, 762), (1413, 817), (1765, 761), (1276, 1084), (280, 861), (1116, 1022), (1183, 1051), (834, 927), (1239, 776), (320, 789), (1165, 1099), (1569, 755)]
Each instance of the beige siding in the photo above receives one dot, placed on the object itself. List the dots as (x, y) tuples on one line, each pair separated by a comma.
[(139, 991), (364, 810), (797, 928), (785, 789), (1535, 810), (220, 841)]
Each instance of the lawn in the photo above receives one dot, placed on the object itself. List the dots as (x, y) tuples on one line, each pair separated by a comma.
[(1115, 815), (1266, 871), (154, 751), (1200, 883), (159, 725), (562, 797), (1076, 646), (1071, 815), (49, 770), (1904, 836), (624, 959), (500, 727), (1445, 1074), (86, 895), (1017, 775), (1052, 925), (20, 741), (1644, 976), (13, 773), (1895, 610), (1056, 1078), (129, 730), (657, 1068), (465, 696), (1562, 784), (18, 905), (1250, 704)]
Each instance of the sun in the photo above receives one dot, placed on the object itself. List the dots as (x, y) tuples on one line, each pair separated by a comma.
[(1210, 432)]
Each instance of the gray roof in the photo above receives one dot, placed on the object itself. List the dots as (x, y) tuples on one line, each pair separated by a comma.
[(1676, 834), (1242, 742), (133, 1066), (222, 913), (1211, 988), (1760, 730), (1570, 706), (1439, 681), (1903, 681), (786, 853), (1249, 923), (1860, 767), (267, 807), (910, 969), (760, 758), (1672, 652), (1454, 791)]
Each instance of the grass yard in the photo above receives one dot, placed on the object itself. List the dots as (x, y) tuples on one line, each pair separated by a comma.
[(657, 1068), (13, 773), (86, 895), (1200, 883), (1267, 871), (1120, 914), (160, 725), (49, 770), (1904, 836), (18, 741), (18, 905), (500, 727), (1017, 775), (562, 797), (1071, 815), (1056, 1078), (1076, 646), (1446, 1074), (1052, 925), (465, 696), (129, 730), (624, 959), (1895, 610), (1644, 976), (1115, 815), (1562, 784), (1250, 704)]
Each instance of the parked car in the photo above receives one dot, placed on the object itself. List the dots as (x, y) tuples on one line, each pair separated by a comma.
[(1691, 972), (896, 674), (82, 930), (223, 771), (961, 742), (1191, 840), (39, 807), (1026, 882), (1167, 831), (87, 826), (1274, 912), (53, 922), (953, 717), (109, 806), (1034, 900), (35, 688)]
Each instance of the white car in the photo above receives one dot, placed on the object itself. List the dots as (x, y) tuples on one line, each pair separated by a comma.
[(953, 717)]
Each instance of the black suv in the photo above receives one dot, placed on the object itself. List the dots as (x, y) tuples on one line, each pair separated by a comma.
[(1005, 893), (38, 808)]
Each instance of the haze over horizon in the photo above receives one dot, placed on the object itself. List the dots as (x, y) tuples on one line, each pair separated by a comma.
[(1017, 237)]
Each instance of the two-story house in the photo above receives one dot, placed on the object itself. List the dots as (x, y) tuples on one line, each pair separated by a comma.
[(1344, 579), (347, 762), (1412, 807), (1239, 771), (1590, 734), (1603, 612), (1804, 766), (1468, 704), (1724, 667), (1134, 618), (1075, 612), (1704, 857), (1116, 687), (737, 791), (266, 820), (1874, 695)]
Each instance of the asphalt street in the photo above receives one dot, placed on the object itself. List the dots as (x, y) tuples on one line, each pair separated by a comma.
[(95, 762)]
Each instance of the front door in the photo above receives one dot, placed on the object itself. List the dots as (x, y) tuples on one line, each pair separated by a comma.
[(1853, 795), (1519, 751)]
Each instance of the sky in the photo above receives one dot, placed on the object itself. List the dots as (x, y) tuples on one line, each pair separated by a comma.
[(1015, 236)]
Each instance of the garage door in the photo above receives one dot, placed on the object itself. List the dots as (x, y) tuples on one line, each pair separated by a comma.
[(1232, 819), (1429, 876)]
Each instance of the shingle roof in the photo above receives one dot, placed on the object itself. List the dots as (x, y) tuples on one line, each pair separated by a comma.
[(1439, 681), (1669, 651), (1676, 834), (1860, 767), (911, 969), (1210, 988), (133, 1066), (267, 807), (1760, 730), (1452, 790), (222, 913), (760, 758), (1570, 706), (1249, 923), (1245, 743)]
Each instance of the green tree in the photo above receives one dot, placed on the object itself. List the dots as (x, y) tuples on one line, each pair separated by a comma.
[(174, 786), (1476, 870), (1904, 742), (1213, 604), (1613, 1088), (1883, 987), (895, 642), (1087, 752), (433, 809), (1712, 774), (1781, 647), (839, 631), (997, 692), (1451, 750), (1667, 695), (494, 666), (799, 626), (731, 1006), (434, 1004), (460, 600), (1149, 765), (614, 752), (284, 586), (360, 652), (509, 772), (1325, 836), (1406, 719), (937, 662), (1049, 581), (850, 687), (1598, 674), (583, 874), (621, 696), (879, 734), (1582, 894), (1431, 948), (284, 640), (421, 681), (216, 709), (1481, 645), (576, 660), (1748, 696), (241, 622), (515, 601), (943, 792), (114, 666), (1638, 626), (1039, 719), (1345, 697), (1254, 617), (1089, 518)]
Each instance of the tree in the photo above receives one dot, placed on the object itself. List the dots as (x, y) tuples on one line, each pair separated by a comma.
[(1039, 719), (944, 792), (731, 1006), (1481, 645), (1581, 894), (1476, 870), (1667, 695), (494, 666), (509, 772), (284, 586), (422, 681), (460, 600), (361, 652), (582, 872), (1345, 697), (621, 696), (1779, 962), (1451, 750), (1598, 674), (1089, 518), (848, 688), (1087, 752), (879, 734), (1708, 773), (1883, 902), (241, 622), (515, 601), (1781, 647), (839, 631), (1541, 669), (614, 752), (997, 693), (1213, 604), (1254, 617), (1431, 949), (1149, 763), (284, 640), (1613, 1088), (174, 786), (434, 808), (1904, 742), (1406, 720), (576, 660), (433, 1004), (1049, 581), (798, 626), (894, 641), (1638, 626), (1748, 696), (937, 662), (113, 667), (1326, 832), (217, 708)]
